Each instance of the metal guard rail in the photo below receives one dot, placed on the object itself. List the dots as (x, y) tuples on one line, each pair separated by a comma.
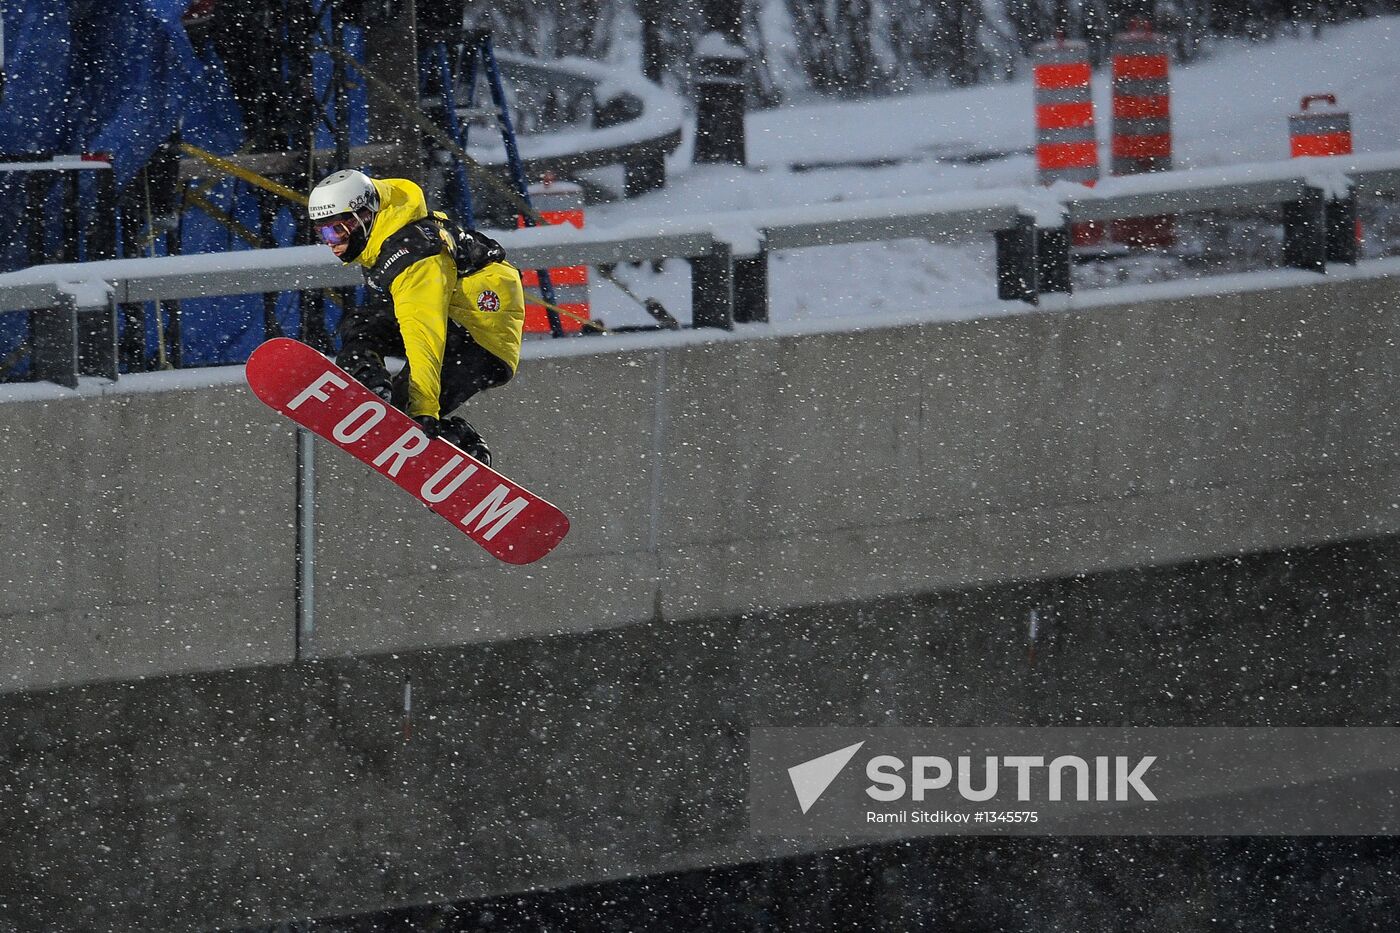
[(728, 251)]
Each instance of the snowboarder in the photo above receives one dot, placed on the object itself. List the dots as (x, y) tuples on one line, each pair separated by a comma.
[(448, 301)]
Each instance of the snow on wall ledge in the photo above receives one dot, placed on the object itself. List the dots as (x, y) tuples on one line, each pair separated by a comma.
[(150, 532)]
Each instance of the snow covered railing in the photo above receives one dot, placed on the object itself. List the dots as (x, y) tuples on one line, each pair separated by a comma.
[(1248, 185), (728, 251)]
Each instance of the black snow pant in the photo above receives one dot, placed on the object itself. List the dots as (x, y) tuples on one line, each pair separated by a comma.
[(369, 334)]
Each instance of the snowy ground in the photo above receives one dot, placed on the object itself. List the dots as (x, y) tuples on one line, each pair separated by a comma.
[(1231, 108)]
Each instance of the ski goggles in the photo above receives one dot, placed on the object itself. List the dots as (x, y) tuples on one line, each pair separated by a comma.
[(336, 232)]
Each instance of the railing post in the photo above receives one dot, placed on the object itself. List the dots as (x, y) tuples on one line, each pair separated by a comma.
[(97, 337), (36, 199), (1053, 259), (53, 334), (751, 289), (1017, 275), (1342, 230), (712, 288), (97, 341), (1305, 231)]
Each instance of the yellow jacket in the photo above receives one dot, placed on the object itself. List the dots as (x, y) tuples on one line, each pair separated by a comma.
[(489, 303)]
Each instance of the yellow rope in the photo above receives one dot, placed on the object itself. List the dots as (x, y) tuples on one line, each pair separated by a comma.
[(243, 174)]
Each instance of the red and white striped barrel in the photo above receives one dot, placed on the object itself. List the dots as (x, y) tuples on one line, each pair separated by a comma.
[(1142, 127), (1065, 149), (558, 202), (1065, 146), (1323, 131)]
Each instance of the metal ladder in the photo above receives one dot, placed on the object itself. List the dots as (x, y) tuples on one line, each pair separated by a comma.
[(477, 51)]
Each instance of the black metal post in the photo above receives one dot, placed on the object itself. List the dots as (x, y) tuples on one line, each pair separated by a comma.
[(36, 200), (1305, 232), (1052, 259), (1341, 230), (305, 544), (101, 237), (71, 236), (340, 95), (1017, 273), (2, 50), (653, 50), (712, 288), (174, 321), (133, 314), (304, 117), (721, 67), (751, 289)]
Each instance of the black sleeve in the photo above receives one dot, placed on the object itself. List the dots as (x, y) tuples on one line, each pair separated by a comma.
[(415, 242)]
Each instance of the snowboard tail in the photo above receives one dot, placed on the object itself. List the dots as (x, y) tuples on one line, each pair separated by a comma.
[(509, 521)]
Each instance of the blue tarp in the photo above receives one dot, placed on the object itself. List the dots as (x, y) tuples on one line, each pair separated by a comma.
[(119, 77), (116, 77)]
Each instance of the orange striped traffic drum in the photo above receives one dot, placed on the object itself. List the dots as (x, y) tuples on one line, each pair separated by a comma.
[(1320, 131), (558, 202), (1065, 145), (1065, 149), (1142, 129)]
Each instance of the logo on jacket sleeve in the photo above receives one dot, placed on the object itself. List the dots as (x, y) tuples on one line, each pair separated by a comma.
[(488, 301)]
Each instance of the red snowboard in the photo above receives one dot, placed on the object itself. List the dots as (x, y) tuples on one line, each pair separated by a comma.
[(511, 522)]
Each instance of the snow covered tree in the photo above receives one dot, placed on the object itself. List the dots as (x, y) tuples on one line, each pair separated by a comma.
[(938, 39), (835, 41), (550, 28)]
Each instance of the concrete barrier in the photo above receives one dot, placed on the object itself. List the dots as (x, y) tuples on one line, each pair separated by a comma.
[(709, 475)]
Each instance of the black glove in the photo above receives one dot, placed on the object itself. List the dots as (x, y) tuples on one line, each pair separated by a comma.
[(367, 368), (476, 251), (428, 423)]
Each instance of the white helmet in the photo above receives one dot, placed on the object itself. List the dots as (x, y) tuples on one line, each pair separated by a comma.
[(343, 193)]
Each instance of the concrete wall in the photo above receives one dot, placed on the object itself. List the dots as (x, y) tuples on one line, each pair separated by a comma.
[(151, 533), (142, 534), (209, 801)]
